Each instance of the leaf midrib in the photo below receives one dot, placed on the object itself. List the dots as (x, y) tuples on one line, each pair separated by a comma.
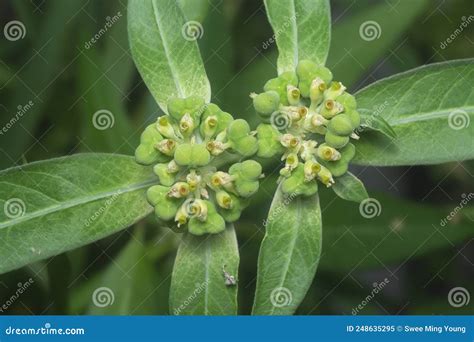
[(76, 202)]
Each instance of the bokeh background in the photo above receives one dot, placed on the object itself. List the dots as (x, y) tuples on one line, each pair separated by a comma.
[(58, 78)]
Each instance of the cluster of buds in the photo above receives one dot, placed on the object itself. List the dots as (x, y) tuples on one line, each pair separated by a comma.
[(309, 119), (186, 147)]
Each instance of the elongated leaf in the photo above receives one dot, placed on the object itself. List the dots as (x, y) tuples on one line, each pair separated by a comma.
[(53, 206), (194, 9), (430, 108), (302, 30), (198, 284), (365, 37), (374, 122), (350, 188), (165, 51), (289, 254)]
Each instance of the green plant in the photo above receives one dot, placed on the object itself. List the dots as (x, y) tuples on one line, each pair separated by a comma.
[(57, 205)]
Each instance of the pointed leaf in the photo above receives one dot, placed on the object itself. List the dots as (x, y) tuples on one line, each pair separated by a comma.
[(350, 188), (302, 31), (53, 206), (430, 109), (289, 254), (371, 121), (198, 284), (165, 50)]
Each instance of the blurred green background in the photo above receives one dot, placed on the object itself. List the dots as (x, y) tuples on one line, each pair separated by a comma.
[(58, 78)]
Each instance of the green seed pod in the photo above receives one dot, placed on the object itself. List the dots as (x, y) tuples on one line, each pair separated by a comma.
[(340, 125), (165, 177), (307, 71), (193, 105), (354, 116), (193, 155), (213, 224), (268, 141), (240, 139), (330, 108), (266, 103), (280, 85), (328, 153), (165, 207), (335, 89), (146, 153), (214, 121), (296, 185), (347, 101), (335, 141)]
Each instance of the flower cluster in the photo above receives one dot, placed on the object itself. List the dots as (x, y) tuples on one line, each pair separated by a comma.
[(187, 146), (308, 119)]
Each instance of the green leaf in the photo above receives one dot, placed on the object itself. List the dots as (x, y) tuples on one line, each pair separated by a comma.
[(289, 254), (351, 56), (350, 188), (195, 9), (402, 231), (53, 206), (130, 284), (430, 109), (374, 122), (198, 284), (302, 31), (165, 52)]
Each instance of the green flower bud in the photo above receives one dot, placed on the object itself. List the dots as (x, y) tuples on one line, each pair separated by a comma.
[(214, 121), (246, 177), (354, 116), (328, 153), (193, 155), (146, 153), (347, 101), (224, 200), (293, 95), (233, 213), (198, 209), (308, 71), (335, 141), (216, 147), (308, 149), (291, 161), (315, 123), (186, 125), (331, 108), (166, 178), (336, 89), (316, 91), (340, 167), (290, 141), (164, 126), (166, 146), (280, 85), (240, 139), (311, 170), (325, 176), (165, 206), (181, 217), (266, 103), (296, 184), (295, 113), (268, 141), (221, 179), (193, 180), (179, 190), (193, 105), (213, 224), (340, 125)]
